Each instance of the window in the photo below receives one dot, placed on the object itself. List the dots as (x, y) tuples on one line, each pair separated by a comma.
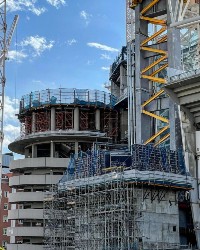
[(27, 206), (5, 218), (26, 241), (5, 206), (4, 231), (20, 221), (6, 193), (174, 228), (4, 243)]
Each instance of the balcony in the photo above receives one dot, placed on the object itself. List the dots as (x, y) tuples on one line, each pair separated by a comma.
[(25, 232), (26, 196), (24, 247), (20, 214), (27, 180), (43, 162)]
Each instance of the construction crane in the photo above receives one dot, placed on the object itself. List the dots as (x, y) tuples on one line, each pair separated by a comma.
[(5, 40)]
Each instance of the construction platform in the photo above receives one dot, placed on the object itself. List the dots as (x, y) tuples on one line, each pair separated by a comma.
[(64, 96), (146, 166), (184, 89)]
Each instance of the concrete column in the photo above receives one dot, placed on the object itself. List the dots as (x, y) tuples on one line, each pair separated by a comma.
[(76, 119), (52, 153), (76, 147), (53, 119), (97, 119), (26, 152), (115, 90), (33, 122), (123, 79), (34, 151), (123, 123)]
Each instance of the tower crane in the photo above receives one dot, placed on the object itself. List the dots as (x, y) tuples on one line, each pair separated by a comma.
[(5, 40)]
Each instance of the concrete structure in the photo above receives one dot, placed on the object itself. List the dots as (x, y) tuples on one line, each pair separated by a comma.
[(114, 205), (5, 206), (55, 124), (142, 195)]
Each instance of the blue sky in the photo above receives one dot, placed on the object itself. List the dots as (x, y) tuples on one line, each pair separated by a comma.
[(60, 43)]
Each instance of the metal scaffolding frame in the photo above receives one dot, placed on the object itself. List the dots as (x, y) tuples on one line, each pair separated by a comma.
[(100, 204), (42, 121), (111, 123), (93, 216)]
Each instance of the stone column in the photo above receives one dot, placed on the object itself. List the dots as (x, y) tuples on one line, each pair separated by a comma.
[(53, 119), (76, 119), (97, 119), (33, 122)]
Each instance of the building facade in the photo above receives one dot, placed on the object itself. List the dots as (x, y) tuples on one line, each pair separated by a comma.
[(5, 206), (55, 124)]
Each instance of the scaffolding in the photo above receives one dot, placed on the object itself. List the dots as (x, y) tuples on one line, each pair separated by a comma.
[(99, 216), (100, 203)]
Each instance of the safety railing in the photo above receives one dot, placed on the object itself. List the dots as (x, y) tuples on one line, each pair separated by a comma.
[(184, 75), (67, 96)]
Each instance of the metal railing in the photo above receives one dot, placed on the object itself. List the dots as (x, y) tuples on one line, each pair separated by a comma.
[(67, 96), (184, 75)]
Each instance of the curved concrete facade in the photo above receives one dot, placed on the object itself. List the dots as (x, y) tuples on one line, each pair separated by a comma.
[(42, 162), (50, 134)]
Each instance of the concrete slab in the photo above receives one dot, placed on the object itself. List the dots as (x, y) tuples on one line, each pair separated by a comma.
[(184, 89)]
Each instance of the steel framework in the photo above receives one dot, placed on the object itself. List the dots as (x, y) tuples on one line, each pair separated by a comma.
[(156, 41), (111, 123), (42, 121)]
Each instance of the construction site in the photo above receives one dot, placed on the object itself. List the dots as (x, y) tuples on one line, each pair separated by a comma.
[(117, 170)]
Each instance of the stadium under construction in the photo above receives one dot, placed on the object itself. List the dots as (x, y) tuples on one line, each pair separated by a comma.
[(123, 168)]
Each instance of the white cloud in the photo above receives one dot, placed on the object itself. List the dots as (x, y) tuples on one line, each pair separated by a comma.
[(57, 3), (32, 5), (11, 123), (29, 5), (38, 44), (102, 47), (10, 109), (17, 56), (11, 132), (105, 56), (85, 16), (105, 68), (71, 42)]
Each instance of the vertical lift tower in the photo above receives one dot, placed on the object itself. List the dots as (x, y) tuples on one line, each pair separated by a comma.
[(164, 108)]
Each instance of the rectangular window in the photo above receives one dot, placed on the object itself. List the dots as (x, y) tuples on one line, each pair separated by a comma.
[(6, 193), (5, 218), (4, 243), (4, 231), (5, 206)]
